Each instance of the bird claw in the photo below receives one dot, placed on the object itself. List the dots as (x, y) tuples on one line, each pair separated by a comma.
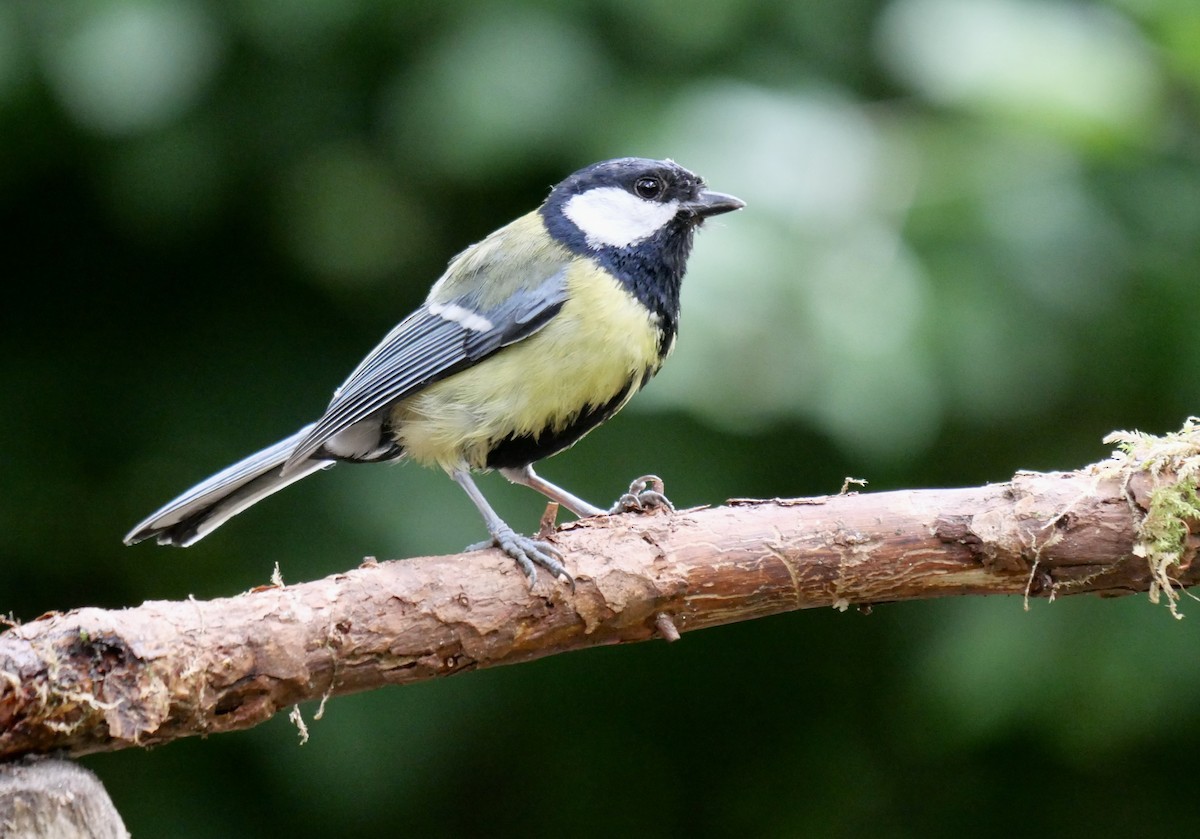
[(645, 494), (528, 554)]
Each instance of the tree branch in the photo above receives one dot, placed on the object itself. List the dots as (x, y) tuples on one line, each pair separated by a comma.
[(48, 797), (92, 680)]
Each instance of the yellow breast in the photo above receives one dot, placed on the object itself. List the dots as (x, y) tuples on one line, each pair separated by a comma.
[(602, 343)]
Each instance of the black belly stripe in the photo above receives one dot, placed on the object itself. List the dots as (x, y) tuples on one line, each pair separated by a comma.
[(516, 451)]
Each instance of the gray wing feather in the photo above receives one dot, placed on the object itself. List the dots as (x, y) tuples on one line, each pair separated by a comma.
[(425, 348)]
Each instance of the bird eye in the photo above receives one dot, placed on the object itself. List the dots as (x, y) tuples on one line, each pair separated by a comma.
[(648, 188)]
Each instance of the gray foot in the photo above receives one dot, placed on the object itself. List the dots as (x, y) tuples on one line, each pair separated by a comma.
[(645, 494), (529, 554)]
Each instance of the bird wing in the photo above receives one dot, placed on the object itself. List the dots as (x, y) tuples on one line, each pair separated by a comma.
[(435, 341)]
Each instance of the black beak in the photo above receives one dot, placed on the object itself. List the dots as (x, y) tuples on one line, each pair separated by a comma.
[(709, 203)]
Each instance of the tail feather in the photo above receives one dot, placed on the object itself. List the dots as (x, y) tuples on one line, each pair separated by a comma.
[(211, 503)]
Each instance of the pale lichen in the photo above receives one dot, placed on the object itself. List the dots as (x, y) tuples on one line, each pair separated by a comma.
[(297, 719)]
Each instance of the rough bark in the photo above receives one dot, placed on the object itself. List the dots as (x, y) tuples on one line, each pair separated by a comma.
[(92, 680)]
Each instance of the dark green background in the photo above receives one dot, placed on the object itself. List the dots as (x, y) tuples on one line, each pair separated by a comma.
[(971, 247)]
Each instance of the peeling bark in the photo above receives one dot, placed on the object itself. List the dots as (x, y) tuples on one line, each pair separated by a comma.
[(92, 680)]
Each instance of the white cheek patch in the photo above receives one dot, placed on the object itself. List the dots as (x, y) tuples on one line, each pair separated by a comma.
[(463, 317), (610, 216)]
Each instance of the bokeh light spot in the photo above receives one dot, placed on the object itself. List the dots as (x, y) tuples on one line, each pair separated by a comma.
[(123, 68)]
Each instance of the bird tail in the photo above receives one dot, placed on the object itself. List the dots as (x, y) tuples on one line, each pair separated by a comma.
[(209, 504)]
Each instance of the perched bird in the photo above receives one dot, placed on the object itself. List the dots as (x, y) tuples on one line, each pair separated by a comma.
[(529, 340)]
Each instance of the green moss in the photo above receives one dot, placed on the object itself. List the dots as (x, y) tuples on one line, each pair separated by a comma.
[(1173, 509)]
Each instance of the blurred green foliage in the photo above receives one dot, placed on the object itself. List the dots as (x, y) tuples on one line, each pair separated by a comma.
[(971, 246)]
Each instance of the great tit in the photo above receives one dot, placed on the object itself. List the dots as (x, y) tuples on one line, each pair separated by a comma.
[(529, 340)]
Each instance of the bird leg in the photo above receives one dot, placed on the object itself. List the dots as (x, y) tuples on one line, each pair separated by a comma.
[(525, 476), (528, 553), (645, 494)]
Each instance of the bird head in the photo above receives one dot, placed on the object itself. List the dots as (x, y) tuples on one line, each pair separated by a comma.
[(621, 204)]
